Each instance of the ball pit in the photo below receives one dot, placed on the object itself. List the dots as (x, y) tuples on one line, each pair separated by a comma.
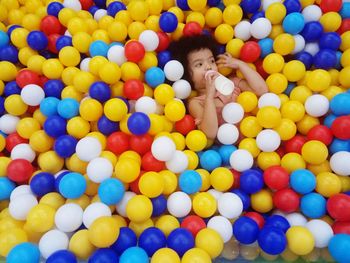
[(102, 162)]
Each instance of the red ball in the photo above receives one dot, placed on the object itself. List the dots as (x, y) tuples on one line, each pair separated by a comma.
[(43, 80), (193, 224), (320, 133), (134, 185), (341, 127), (341, 227), (141, 143), (13, 139), (134, 51), (133, 89), (185, 125), (164, 41), (276, 177), (149, 163), (330, 5), (286, 200), (338, 207), (19, 171), (236, 177), (258, 218), (295, 144), (86, 4), (344, 26), (260, 69), (118, 142), (52, 43), (50, 25), (26, 76), (250, 51), (192, 28)]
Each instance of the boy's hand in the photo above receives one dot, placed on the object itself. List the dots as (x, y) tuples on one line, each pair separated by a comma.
[(210, 86), (226, 60)]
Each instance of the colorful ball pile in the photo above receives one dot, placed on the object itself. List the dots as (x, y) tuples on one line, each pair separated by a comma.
[(101, 161)]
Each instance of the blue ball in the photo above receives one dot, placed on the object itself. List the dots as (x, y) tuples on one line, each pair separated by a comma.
[(277, 221), (42, 184), (251, 181), (55, 126), (25, 252), (313, 205), (272, 240), (138, 123), (329, 120), (93, 9), (58, 178), (68, 108), (302, 181), (100, 3), (213, 3), (2, 106), (266, 46), (64, 146), (340, 104), (339, 55), (246, 230), (168, 22), (339, 247), (106, 126), (345, 10), (293, 23), (111, 191), (159, 205), (292, 6), (72, 185), (151, 240), (98, 48), (4, 39), (6, 187), (104, 255), (154, 76), (53, 88), (244, 197), (330, 40), (190, 181), (47, 54), (210, 160), (289, 88), (114, 7), (9, 53), (11, 28), (63, 41), (225, 152), (183, 5), (306, 58), (250, 6), (325, 59), (37, 40), (61, 256), (163, 58), (99, 90), (54, 8), (180, 240), (257, 15), (312, 31), (338, 145), (11, 88), (134, 254), (48, 106), (127, 238)]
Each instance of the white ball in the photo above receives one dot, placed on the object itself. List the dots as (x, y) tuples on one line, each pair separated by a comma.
[(242, 30), (23, 151), (232, 112), (340, 163), (149, 39), (299, 44), (312, 13), (179, 204), (73, 4), (84, 64), (53, 241), (317, 105), (268, 140), (69, 217), (178, 163), (94, 211), (116, 54), (99, 14), (121, 206), (215, 193), (228, 134), (173, 70), (321, 231), (267, 3), (99, 169), (88, 148), (241, 160), (230, 205), (260, 28), (269, 99), (182, 89), (32, 94), (20, 206), (8, 123), (312, 48), (146, 105), (163, 148), (296, 219), (221, 225), (20, 190)]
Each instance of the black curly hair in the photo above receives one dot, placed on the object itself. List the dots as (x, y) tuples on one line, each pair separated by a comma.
[(181, 48)]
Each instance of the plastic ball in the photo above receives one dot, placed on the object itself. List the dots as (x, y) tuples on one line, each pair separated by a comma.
[(277, 221), (242, 30), (227, 210), (227, 134), (286, 200), (245, 230), (104, 231), (314, 152), (154, 76), (151, 240), (137, 204), (163, 148), (180, 240), (182, 89), (88, 148), (300, 240), (37, 40), (151, 184), (19, 170), (250, 51), (126, 239), (42, 183), (69, 217), (72, 185), (293, 23), (338, 163), (276, 177), (173, 207), (165, 254), (260, 28), (7, 187), (221, 225), (313, 205), (269, 99), (210, 160), (94, 211), (338, 247), (268, 140), (173, 70), (284, 44), (105, 255), (272, 240), (168, 22), (251, 181), (241, 160), (302, 181), (52, 241), (190, 181), (338, 104), (24, 252)]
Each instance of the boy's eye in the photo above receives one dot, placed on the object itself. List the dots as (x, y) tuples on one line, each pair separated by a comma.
[(198, 65), (212, 61)]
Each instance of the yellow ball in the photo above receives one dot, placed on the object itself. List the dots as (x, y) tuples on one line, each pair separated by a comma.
[(223, 33), (210, 241), (345, 41), (197, 5), (157, 124), (35, 63), (307, 123), (232, 14), (178, 13), (179, 140), (41, 218), (293, 110), (328, 184), (344, 76), (50, 162), (345, 58), (135, 29), (14, 105), (9, 222), (139, 10), (19, 37), (127, 170), (331, 21), (269, 117), (96, 63), (284, 44), (175, 110), (90, 109), (130, 154), (262, 201), (124, 16), (152, 23), (8, 71), (25, 53), (234, 47), (103, 232), (204, 204), (68, 75), (205, 175), (286, 129), (294, 70), (40, 141), (221, 179), (27, 126), (139, 208), (300, 93), (81, 41), (115, 109), (130, 70), (155, 6), (2, 142), (196, 255), (319, 168), (76, 25), (65, 15), (213, 17), (163, 94), (76, 165), (293, 161), (250, 145), (52, 68), (138, 228), (167, 223), (110, 73), (268, 159), (193, 159), (314, 152), (11, 238), (69, 56), (165, 255), (78, 127), (169, 180), (250, 126), (82, 81), (273, 63), (151, 184), (276, 13), (196, 140), (318, 80), (300, 240), (196, 17), (80, 244), (148, 61), (277, 83), (55, 200), (248, 100)]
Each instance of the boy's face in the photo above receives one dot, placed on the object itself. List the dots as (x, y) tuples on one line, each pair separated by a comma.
[(199, 62)]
